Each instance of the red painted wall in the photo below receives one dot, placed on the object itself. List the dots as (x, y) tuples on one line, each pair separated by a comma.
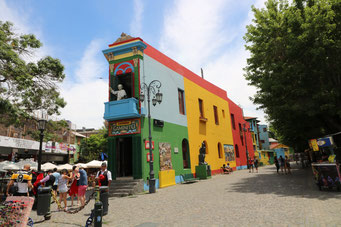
[(239, 119)]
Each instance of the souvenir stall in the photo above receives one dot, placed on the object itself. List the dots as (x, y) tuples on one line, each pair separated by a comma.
[(326, 168)]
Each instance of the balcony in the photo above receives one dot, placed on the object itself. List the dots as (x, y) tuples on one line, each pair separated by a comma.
[(122, 109)]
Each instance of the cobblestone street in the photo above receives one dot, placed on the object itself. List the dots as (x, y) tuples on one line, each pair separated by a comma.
[(239, 199)]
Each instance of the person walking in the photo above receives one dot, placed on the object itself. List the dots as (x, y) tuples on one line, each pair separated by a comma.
[(62, 187), (82, 184), (256, 164), (277, 164), (74, 188), (282, 164), (250, 165), (56, 179), (287, 164), (22, 180)]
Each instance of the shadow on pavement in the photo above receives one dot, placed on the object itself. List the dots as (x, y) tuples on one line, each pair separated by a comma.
[(299, 184)]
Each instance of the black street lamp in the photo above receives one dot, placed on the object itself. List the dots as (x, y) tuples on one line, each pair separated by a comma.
[(41, 126), (151, 88)]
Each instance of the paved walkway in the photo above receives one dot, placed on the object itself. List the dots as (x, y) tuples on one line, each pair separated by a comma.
[(239, 199)]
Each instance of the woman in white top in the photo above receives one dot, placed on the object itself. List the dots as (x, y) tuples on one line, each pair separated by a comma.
[(62, 187)]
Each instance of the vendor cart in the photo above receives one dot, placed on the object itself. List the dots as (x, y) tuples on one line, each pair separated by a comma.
[(327, 175)]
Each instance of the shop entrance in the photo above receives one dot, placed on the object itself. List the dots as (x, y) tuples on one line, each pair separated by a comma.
[(124, 157)]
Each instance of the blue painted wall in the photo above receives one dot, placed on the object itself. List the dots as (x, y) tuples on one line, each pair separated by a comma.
[(264, 135), (171, 81)]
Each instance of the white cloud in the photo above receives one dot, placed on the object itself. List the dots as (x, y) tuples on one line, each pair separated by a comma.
[(86, 95), (201, 37), (21, 17), (136, 24), (193, 32)]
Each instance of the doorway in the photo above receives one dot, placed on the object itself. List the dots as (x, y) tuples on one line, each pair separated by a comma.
[(124, 157)]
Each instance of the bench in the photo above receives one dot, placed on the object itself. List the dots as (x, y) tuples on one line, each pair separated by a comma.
[(188, 178)]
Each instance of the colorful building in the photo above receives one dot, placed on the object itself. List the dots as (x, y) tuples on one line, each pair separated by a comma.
[(193, 111), (243, 147)]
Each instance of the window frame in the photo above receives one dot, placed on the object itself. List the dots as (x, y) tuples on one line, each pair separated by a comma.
[(181, 100), (216, 117), (201, 108)]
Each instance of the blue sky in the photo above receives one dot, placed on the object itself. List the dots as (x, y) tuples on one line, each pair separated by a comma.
[(195, 33)]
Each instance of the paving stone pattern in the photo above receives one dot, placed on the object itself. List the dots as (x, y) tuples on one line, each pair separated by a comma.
[(238, 199)]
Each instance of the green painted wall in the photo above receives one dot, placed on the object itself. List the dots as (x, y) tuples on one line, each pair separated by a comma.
[(170, 133)]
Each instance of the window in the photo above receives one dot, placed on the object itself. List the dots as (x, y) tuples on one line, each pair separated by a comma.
[(201, 109), (233, 122), (181, 101), (223, 112), (185, 154), (216, 118), (262, 141), (237, 151), (220, 151), (264, 129)]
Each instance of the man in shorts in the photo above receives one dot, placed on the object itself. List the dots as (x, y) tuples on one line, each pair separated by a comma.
[(22, 179), (56, 180), (82, 184)]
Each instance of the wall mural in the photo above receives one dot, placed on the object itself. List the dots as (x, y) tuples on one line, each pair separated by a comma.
[(165, 156), (229, 153)]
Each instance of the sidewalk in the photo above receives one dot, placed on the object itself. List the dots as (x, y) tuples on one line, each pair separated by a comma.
[(238, 199)]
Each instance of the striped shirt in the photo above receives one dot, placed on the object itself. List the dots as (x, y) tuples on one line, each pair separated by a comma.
[(21, 178)]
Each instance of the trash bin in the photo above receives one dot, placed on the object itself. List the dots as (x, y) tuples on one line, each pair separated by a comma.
[(43, 200), (104, 196)]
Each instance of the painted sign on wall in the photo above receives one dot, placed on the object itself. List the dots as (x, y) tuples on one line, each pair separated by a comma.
[(165, 156), (229, 153), (124, 127)]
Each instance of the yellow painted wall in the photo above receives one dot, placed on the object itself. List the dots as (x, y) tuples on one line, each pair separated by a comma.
[(210, 132)]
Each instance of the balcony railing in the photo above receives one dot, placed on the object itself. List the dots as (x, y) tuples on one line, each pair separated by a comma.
[(122, 109)]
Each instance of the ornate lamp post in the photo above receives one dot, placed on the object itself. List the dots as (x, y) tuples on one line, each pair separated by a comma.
[(148, 89), (41, 126)]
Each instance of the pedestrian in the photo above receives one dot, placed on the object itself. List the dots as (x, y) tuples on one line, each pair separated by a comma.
[(282, 164), (250, 165), (104, 176), (62, 187), (277, 164), (82, 184), (56, 179), (256, 164), (287, 164), (20, 182), (48, 180), (74, 188)]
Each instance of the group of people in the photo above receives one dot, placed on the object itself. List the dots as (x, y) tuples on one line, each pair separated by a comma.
[(253, 163), (26, 183), (227, 169), (283, 164)]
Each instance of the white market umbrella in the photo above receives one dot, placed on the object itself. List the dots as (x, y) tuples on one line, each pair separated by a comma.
[(82, 165), (32, 163), (11, 167), (48, 166), (94, 164), (64, 166)]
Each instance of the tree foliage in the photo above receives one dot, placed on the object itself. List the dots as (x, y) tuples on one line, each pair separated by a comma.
[(94, 145), (295, 65), (26, 86)]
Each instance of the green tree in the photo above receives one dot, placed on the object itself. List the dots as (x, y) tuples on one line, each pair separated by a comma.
[(92, 146), (295, 65), (26, 86)]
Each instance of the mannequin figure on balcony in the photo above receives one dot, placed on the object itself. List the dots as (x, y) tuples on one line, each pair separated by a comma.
[(121, 93)]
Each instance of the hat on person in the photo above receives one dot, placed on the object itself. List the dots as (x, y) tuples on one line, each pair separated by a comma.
[(104, 164)]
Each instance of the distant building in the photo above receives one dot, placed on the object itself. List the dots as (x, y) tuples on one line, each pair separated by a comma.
[(264, 137)]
